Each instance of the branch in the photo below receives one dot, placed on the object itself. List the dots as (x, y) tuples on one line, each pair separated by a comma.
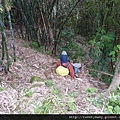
[(100, 72)]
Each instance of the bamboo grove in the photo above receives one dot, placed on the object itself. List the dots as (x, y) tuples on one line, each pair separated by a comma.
[(43, 21), (5, 5)]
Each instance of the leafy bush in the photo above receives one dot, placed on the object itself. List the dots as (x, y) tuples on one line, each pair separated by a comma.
[(113, 53), (113, 104), (34, 45), (101, 46), (55, 104)]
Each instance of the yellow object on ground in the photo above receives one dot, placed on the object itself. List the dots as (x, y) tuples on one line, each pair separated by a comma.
[(62, 71)]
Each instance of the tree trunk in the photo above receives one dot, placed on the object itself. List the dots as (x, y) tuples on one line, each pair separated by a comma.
[(116, 78)]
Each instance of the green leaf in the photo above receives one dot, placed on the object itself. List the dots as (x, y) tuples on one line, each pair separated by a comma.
[(35, 78), (89, 99), (113, 59), (91, 90), (117, 109), (54, 90), (1, 8), (29, 94), (49, 83), (112, 53), (73, 94), (1, 89), (110, 107), (115, 48), (71, 106), (118, 46)]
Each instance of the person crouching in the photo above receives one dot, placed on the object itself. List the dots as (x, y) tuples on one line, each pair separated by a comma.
[(66, 63)]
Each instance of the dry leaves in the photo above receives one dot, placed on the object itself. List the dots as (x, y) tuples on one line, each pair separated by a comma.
[(31, 63)]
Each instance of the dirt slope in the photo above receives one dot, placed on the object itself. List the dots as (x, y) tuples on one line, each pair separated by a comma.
[(19, 95)]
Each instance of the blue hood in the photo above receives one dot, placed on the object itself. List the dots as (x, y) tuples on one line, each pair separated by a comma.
[(64, 58)]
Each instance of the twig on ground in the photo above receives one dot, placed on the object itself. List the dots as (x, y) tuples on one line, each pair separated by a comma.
[(99, 71)]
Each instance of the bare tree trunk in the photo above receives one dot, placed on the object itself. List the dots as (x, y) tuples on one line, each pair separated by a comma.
[(116, 78)]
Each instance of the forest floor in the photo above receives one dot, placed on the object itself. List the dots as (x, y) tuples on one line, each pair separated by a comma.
[(33, 87)]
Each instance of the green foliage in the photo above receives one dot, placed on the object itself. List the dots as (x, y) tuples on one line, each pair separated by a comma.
[(1, 8), (89, 99), (54, 90), (118, 46), (101, 46), (25, 45), (54, 104), (34, 45), (28, 92), (49, 83), (102, 41), (38, 108), (35, 78), (22, 112), (48, 105), (98, 101), (73, 94), (71, 106), (95, 101), (41, 49), (114, 52), (13, 86), (91, 90), (1, 88), (113, 104)]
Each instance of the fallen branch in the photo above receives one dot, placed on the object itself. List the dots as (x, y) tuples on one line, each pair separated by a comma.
[(99, 72)]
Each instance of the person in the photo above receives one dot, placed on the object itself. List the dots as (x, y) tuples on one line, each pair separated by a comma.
[(64, 62)]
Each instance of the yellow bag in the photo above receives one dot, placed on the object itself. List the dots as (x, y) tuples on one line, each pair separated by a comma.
[(62, 71)]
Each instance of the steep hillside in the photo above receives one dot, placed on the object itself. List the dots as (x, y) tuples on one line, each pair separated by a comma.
[(32, 86)]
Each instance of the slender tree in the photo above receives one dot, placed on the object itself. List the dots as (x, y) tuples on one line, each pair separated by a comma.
[(8, 8), (4, 44)]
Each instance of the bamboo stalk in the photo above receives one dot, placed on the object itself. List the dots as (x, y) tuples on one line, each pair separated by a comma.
[(42, 15), (5, 47), (12, 35), (27, 25), (1, 25), (4, 44)]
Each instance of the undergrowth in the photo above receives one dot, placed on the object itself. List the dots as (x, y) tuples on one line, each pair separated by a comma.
[(101, 46), (54, 103), (110, 104)]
